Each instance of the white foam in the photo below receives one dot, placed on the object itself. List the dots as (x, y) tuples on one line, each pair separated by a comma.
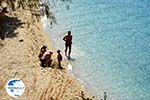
[(70, 67)]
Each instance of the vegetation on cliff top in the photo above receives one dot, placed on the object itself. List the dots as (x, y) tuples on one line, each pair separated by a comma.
[(37, 7)]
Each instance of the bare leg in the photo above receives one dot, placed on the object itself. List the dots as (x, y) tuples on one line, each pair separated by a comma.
[(69, 51), (59, 64), (43, 62), (66, 51), (49, 63)]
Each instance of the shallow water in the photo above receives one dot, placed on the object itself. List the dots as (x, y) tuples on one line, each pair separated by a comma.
[(111, 45)]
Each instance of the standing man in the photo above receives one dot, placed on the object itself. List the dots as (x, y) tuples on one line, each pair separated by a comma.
[(68, 43), (105, 96)]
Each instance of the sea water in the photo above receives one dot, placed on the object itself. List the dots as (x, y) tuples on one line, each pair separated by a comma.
[(111, 45)]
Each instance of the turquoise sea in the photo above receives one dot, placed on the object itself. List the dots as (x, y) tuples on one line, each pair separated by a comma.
[(111, 45)]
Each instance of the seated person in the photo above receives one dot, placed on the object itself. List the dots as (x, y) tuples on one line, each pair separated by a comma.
[(48, 58), (41, 56)]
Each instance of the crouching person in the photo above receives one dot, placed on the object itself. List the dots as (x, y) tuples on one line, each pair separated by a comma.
[(48, 56), (41, 56)]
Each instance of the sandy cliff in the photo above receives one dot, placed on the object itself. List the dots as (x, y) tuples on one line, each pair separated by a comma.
[(19, 59)]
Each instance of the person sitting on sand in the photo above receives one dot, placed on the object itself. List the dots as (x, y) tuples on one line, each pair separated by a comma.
[(59, 58), (42, 59), (68, 43), (48, 58)]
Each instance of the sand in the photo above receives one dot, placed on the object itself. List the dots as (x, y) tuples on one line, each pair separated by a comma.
[(19, 59)]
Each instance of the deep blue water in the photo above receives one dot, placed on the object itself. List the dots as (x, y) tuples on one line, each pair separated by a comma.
[(111, 45)]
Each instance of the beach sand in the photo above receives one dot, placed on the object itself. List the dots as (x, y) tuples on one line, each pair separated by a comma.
[(19, 59)]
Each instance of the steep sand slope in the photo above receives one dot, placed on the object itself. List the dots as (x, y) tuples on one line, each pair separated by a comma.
[(19, 58)]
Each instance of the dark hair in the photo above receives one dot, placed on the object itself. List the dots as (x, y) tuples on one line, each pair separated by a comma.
[(58, 51), (69, 32), (44, 47)]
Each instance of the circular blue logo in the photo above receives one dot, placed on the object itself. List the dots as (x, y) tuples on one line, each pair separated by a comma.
[(15, 87)]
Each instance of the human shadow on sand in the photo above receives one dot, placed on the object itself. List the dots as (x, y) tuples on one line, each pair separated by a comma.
[(8, 25)]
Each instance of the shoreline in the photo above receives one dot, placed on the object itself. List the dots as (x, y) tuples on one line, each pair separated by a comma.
[(83, 84), (40, 83), (69, 66)]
